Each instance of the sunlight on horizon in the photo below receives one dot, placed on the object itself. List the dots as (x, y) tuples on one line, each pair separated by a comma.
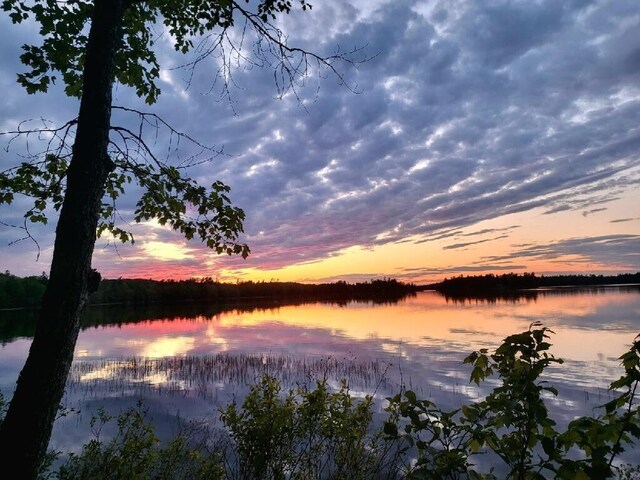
[(510, 243)]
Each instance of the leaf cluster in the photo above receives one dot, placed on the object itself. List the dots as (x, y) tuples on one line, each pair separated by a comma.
[(64, 27), (43, 181), (512, 423), (168, 196), (135, 452), (302, 434), (179, 202)]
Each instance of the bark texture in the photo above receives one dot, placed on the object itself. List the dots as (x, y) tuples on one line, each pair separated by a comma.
[(26, 430)]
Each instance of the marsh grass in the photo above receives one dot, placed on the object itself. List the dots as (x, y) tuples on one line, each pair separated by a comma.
[(204, 376)]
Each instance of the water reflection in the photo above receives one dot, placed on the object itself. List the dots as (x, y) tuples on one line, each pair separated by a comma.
[(591, 325), (192, 360)]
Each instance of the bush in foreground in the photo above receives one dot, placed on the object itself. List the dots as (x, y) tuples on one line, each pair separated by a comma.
[(512, 424)]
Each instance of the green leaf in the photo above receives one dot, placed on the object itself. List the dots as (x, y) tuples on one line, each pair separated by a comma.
[(390, 429), (475, 445)]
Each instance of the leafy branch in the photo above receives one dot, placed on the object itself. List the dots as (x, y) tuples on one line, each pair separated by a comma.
[(201, 27), (512, 422), (168, 196)]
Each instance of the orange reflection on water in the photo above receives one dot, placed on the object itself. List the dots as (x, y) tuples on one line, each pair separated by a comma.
[(582, 324), (588, 326)]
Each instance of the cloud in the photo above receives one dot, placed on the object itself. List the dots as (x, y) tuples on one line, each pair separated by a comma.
[(466, 111), (466, 244), (490, 230), (618, 251), (623, 220), (586, 213)]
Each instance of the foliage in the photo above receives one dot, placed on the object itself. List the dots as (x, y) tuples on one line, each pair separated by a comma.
[(135, 453), (301, 435), (64, 38), (513, 284), (514, 417), (21, 292), (209, 290), (304, 434), (512, 423), (168, 195)]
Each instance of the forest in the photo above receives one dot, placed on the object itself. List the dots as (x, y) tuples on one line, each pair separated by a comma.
[(513, 283), (19, 292), (26, 292)]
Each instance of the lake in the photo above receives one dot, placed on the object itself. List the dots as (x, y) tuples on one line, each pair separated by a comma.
[(186, 362)]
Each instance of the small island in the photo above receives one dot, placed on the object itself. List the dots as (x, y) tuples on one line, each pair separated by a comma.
[(511, 285)]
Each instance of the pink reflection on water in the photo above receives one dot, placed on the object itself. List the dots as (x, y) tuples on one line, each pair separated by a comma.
[(588, 327)]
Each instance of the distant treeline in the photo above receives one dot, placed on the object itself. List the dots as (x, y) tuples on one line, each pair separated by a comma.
[(208, 290), (21, 292), (18, 292), (510, 283)]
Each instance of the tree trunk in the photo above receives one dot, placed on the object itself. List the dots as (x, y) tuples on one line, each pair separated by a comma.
[(26, 430)]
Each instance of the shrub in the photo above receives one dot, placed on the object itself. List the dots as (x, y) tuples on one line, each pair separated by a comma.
[(305, 434), (512, 423), (135, 453)]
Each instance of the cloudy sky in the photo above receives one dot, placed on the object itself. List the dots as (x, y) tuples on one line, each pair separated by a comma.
[(474, 137)]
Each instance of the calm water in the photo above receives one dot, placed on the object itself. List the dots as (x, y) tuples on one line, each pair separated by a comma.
[(187, 364)]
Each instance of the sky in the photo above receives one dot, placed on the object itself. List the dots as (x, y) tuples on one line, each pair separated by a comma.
[(465, 138)]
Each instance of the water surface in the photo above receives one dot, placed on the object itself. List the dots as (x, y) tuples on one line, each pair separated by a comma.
[(187, 363)]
